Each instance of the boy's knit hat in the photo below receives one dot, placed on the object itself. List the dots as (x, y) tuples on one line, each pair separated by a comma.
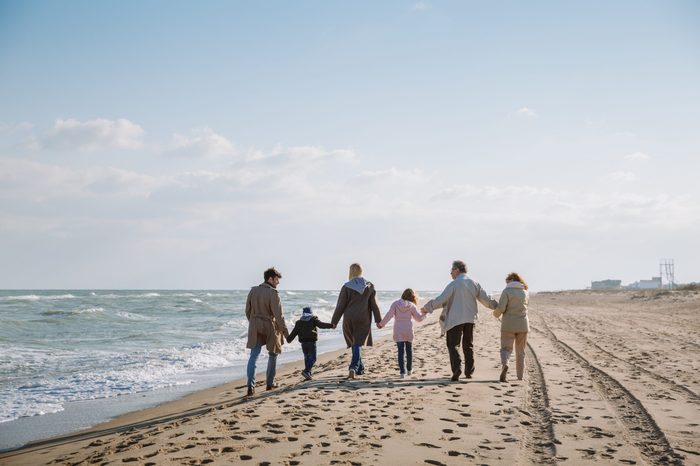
[(307, 313)]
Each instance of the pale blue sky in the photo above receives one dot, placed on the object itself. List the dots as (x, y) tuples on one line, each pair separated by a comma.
[(179, 144)]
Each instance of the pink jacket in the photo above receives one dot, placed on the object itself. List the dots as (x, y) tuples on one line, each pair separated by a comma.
[(403, 311)]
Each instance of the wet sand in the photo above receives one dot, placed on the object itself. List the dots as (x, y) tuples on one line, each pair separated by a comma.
[(611, 377)]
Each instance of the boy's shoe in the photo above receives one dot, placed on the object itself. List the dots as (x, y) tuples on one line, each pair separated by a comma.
[(455, 376), (251, 391), (306, 375), (410, 372), (273, 386), (504, 371), (351, 374)]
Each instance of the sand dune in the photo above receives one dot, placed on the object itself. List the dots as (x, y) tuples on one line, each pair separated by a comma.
[(611, 378)]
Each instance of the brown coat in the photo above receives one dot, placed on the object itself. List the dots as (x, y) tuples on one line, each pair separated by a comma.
[(357, 310), (266, 325)]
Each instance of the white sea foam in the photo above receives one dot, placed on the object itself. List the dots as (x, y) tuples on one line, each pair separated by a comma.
[(33, 297), (114, 375), (132, 316), (72, 312)]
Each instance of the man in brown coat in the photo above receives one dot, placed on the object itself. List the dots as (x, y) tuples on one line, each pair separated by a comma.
[(266, 326)]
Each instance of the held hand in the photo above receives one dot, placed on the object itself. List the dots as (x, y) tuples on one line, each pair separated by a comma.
[(334, 325), (379, 325), (424, 310)]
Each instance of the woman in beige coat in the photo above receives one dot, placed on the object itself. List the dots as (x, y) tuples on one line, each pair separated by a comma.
[(514, 324)]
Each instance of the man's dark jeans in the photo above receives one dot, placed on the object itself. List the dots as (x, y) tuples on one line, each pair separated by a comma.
[(463, 333), (309, 349)]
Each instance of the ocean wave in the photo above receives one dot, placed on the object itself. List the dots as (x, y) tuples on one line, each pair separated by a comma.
[(132, 316), (34, 297), (89, 310), (112, 374)]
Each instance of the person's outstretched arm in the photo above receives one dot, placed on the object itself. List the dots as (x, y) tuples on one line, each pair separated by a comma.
[(502, 305), (389, 315), (340, 306), (374, 307), (280, 324), (417, 315), (295, 332), (321, 324), (440, 300), (485, 299)]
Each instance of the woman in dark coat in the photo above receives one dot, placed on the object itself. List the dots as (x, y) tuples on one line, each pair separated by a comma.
[(356, 305)]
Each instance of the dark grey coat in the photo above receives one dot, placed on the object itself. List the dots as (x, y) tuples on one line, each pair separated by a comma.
[(357, 310)]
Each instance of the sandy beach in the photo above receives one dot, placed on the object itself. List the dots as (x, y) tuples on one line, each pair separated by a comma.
[(611, 377)]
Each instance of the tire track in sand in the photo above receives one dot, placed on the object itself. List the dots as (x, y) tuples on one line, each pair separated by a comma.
[(640, 426), (539, 439), (688, 393)]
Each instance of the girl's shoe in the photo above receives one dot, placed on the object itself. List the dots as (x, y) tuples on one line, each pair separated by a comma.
[(403, 376)]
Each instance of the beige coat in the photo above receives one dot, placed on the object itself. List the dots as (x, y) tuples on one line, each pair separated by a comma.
[(266, 325), (513, 307), (357, 310)]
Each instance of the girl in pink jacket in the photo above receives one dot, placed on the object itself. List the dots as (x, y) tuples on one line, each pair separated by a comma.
[(404, 310)]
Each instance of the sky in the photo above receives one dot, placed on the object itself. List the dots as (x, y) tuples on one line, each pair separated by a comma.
[(191, 145)]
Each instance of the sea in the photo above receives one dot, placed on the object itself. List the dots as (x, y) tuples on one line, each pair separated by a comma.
[(73, 358)]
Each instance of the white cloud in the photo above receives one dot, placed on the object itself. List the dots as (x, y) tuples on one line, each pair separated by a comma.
[(301, 155), (637, 156), (392, 175), (421, 6), (24, 180), (491, 192), (621, 176), (523, 112), (201, 142), (93, 135)]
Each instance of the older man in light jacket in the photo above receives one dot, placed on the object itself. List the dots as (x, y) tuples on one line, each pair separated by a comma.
[(460, 300)]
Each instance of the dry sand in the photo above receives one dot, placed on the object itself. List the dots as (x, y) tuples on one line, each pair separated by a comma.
[(612, 377)]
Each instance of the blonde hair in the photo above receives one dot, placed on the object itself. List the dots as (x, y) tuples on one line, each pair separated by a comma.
[(410, 295), (513, 276), (355, 271)]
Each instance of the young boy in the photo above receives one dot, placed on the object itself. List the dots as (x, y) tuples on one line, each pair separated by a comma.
[(306, 329)]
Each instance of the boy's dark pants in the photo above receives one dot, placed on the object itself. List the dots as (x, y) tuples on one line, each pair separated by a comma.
[(309, 349), (463, 333)]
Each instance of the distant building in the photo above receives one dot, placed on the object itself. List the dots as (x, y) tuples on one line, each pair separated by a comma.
[(606, 285), (652, 284)]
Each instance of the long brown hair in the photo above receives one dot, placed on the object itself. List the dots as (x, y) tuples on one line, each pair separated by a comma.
[(513, 276), (410, 295)]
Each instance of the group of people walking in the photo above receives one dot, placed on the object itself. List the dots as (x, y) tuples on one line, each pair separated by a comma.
[(357, 306)]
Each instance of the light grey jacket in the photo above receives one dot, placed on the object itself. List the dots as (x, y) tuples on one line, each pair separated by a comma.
[(513, 306), (460, 298)]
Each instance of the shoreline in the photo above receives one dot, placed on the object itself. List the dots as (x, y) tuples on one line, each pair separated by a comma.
[(592, 393), (105, 411)]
